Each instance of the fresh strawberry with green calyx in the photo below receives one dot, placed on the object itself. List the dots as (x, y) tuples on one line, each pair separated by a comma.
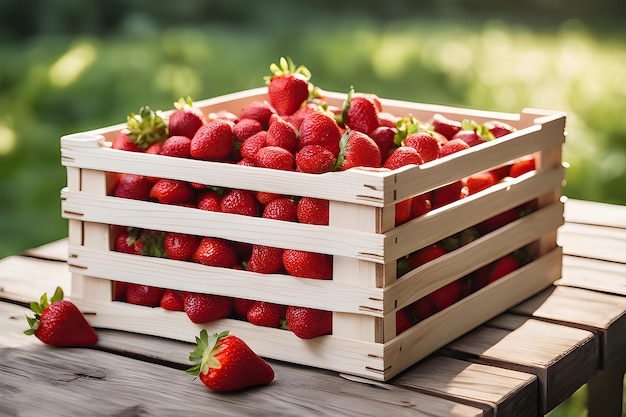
[(473, 133), (357, 150), (288, 86), (360, 112), (146, 128), (186, 119), (406, 126), (225, 363), (307, 323), (59, 322)]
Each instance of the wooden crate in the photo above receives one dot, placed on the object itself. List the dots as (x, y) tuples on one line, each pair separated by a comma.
[(364, 293)]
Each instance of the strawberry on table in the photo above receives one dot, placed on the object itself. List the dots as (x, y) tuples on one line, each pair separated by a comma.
[(59, 322), (288, 86), (226, 363), (307, 323)]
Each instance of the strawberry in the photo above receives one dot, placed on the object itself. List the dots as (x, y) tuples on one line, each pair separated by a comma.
[(176, 146), (403, 320), (119, 290), (306, 264), (123, 143), (281, 208), (227, 363), (288, 86), (314, 159), (204, 308), (213, 141), (425, 144), (313, 211), (522, 166), (422, 308), (275, 157), (185, 120), (447, 194), (143, 295), (473, 133), (360, 112), (404, 155), (264, 197), (319, 128), (499, 129), (245, 128), (172, 300), (357, 150), (59, 322), (217, 252), (445, 126), (387, 119), (502, 267), (146, 128), (421, 204), (242, 305), (479, 181), (425, 255), (282, 133), (266, 314), (497, 221), (241, 202), (210, 200), (136, 187), (452, 146), (260, 111), (403, 211), (155, 148), (384, 138), (251, 145), (180, 246), (265, 259), (307, 323), (168, 191), (126, 243)]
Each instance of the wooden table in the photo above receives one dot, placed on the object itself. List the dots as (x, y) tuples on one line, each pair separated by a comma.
[(522, 363)]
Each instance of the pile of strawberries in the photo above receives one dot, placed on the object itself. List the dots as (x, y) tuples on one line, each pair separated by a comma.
[(293, 130)]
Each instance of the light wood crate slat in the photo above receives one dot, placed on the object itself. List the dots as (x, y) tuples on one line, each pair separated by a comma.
[(605, 243), (595, 213), (593, 274)]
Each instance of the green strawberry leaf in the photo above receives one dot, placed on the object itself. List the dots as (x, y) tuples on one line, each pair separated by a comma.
[(183, 103), (36, 307), (343, 145), (146, 128), (57, 296), (468, 124), (346, 107)]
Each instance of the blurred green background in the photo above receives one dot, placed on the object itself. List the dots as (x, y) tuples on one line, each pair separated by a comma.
[(69, 66)]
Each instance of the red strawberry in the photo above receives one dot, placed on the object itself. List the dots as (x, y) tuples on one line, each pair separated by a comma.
[(251, 145), (384, 138), (314, 159), (422, 308), (146, 128), (282, 133), (446, 295), (479, 181), (313, 211), (265, 259), (403, 320), (245, 128), (209, 200), (126, 243), (425, 255), (452, 146), (264, 197), (241, 202), (421, 204), (468, 136), (319, 128), (499, 129), (402, 156), (387, 119), (281, 208), (214, 251), (445, 126), (307, 323), (180, 246), (242, 305), (143, 295), (358, 150), (361, 112), (176, 146), (168, 191), (305, 264), (136, 187), (213, 141), (498, 221), (502, 267), (185, 120), (260, 111), (59, 322), (403, 211), (266, 314), (522, 166), (473, 134), (447, 194), (227, 363), (275, 157), (204, 308), (425, 144), (119, 290), (123, 143), (172, 300), (288, 86)]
